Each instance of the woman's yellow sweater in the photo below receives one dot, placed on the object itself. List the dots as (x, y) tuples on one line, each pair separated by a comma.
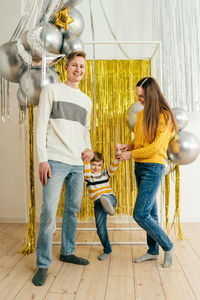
[(155, 152)]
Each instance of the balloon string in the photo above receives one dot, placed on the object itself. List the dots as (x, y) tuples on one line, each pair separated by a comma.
[(44, 47), (8, 100), (112, 32), (3, 99)]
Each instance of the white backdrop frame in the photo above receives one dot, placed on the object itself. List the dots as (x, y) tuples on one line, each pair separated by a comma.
[(155, 57)]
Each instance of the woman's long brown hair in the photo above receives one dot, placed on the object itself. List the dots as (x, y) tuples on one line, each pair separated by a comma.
[(154, 104)]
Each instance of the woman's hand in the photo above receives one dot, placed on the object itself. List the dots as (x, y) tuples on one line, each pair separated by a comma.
[(125, 155), (123, 147)]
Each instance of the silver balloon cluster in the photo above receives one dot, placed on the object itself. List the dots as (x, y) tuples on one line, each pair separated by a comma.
[(22, 60), (183, 149)]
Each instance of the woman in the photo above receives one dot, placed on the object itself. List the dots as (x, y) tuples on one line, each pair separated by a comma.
[(155, 127)]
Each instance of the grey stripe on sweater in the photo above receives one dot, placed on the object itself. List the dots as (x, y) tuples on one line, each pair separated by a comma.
[(68, 111)]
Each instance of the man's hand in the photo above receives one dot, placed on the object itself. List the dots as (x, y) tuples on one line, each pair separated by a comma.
[(87, 154), (44, 171)]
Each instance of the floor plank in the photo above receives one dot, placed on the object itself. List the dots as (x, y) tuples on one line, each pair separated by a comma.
[(120, 287), (94, 280)]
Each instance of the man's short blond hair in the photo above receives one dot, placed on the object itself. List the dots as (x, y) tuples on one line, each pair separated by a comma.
[(74, 54)]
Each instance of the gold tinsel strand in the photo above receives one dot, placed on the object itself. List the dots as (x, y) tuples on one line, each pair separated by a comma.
[(29, 243), (176, 219), (115, 92), (167, 194)]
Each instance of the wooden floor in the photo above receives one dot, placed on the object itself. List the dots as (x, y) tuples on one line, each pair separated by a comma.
[(116, 278)]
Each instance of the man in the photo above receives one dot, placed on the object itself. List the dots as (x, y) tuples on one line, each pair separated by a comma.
[(62, 138)]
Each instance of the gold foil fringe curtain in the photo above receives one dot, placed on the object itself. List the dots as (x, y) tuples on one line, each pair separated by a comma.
[(174, 175), (29, 242), (115, 92)]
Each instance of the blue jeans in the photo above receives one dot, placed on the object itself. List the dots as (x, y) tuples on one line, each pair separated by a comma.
[(101, 221), (73, 178), (149, 177)]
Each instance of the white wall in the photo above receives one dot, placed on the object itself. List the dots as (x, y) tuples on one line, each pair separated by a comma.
[(130, 20), (189, 177), (12, 175)]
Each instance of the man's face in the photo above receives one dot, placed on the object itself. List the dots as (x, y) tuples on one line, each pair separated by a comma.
[(96, 166), (76, 69)]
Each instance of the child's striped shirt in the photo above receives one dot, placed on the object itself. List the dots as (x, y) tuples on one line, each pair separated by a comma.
[(98, 184)]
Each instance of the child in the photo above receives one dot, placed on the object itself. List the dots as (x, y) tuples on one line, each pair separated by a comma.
[(101, 193)]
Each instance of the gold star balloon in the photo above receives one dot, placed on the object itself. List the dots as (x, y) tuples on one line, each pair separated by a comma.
[(63, 19)]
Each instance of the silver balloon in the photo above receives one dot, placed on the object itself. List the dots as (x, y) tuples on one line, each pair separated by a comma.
[(9, 62), (181, 117), (77, 26), (132, 113), (184, 149), (31, 83), (53, 38), (72, 43)]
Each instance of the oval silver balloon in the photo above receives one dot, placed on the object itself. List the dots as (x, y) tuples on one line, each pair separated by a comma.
[(72, 43), (9, 62), (181, 116), (31, 83), (184, 149), (77, 26), (132, 113)]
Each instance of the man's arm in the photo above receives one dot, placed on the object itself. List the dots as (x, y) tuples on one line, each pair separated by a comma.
[(44, 111), (45, 105), (87, 129)]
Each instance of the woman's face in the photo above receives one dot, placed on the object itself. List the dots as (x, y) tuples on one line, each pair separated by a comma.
[(140, 94)]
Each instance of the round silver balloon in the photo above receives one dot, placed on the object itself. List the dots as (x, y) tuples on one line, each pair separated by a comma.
[(50, 35), (72, 43), (77, 26), (184, 149), (181, 117), (53, 38), (9, 62), (132, 113), (31, 83)]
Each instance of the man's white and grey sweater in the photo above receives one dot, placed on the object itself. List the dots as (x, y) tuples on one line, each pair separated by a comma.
[(63, 124)]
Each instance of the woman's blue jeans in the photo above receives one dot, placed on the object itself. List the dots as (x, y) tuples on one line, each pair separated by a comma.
[(101, 222), (73, 178), (148, 178)]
